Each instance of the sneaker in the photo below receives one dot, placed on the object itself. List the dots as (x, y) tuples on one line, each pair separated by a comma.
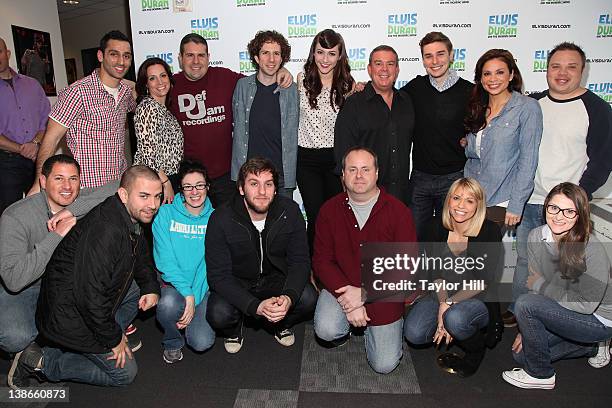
[(24, 365), (602, 358), (285, 337), (134, 341), (131, 329), (509, 319), (233, 344), (520, 378), (172, 356)]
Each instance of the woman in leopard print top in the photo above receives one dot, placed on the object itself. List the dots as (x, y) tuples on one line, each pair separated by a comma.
[(158, 134)]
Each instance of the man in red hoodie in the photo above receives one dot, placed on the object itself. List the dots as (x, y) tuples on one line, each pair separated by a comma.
[(363, 213)]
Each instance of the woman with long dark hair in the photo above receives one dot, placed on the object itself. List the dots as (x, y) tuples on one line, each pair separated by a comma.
[(461, 315), (504, 130), (323, 88), (159, 136), (570, 307)]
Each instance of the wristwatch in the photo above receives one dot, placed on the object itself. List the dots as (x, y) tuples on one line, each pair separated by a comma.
[(449, 301)]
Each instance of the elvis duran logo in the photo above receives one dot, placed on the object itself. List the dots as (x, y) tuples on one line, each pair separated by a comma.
[(503, 26), (154, 5), (246, 66), (458, 63), (540, 63), (358, 59), (604, 26), (352, 2), (301, 26), (442, 2), (245, 3), (402, 25), (207, 27), (554, 1), (168, 57), (603, 90)]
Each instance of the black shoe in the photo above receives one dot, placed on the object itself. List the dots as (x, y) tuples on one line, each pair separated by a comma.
[(509, 319), (134, 341), (24, 365), (467, 365)]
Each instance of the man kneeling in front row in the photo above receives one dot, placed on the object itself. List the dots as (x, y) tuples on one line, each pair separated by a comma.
[(364, 213), (257, 259), (88, 295)]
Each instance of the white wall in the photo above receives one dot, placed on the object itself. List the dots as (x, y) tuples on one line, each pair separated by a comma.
[(85, 32), (38, 15)]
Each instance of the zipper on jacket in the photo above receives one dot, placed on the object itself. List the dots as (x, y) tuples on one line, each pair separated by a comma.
[(260, 254), (129, 278)]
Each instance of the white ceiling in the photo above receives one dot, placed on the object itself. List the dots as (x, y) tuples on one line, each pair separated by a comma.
[(86, 7)]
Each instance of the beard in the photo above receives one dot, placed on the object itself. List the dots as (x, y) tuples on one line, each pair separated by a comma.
[(258, 209)]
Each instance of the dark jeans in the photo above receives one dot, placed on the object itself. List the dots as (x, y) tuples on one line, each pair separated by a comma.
[(90, 368), (222, 190), (227, 319), (428, 195), (551, 332), (317, 182), (16, 177)]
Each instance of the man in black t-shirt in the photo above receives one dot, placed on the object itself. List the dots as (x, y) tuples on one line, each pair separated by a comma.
[(265, 115)]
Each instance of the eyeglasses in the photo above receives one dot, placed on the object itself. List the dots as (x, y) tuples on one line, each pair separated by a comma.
[(567, 212), (200, 187)]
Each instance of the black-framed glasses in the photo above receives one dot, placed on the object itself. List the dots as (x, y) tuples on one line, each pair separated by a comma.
[(567, 212), (189, 187)]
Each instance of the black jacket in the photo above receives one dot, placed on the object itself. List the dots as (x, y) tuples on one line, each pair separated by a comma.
[(89, 275), (234, 262)]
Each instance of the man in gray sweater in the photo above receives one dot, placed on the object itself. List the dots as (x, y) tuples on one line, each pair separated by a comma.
[(26, 244)]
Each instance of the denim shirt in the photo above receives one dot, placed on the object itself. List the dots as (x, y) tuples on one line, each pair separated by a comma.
[(245, 91), (508, 153)]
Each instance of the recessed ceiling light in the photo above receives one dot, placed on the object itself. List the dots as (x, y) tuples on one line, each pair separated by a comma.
[(71, 1)]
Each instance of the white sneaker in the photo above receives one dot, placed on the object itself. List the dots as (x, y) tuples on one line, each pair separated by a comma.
[(520, 378), (602, 358), (285, 337), (233, 344)]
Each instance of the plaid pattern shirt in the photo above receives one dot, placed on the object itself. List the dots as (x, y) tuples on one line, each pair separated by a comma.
[(96, 128)]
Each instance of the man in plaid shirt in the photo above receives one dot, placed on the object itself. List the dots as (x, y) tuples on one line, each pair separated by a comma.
[(91, 113)]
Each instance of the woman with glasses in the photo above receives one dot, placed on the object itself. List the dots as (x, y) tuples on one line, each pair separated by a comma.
[(460, 315), (179, 230), (159, 138), (570, 307)]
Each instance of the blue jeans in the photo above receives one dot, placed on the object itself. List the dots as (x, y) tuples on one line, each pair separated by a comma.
[(383, 343), (90, 368), (428, 195), (551, 332), (532, 218), (17, 324), (461, 320), (199, 335)]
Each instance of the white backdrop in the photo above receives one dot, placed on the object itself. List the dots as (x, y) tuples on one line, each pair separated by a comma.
[(528, 28)]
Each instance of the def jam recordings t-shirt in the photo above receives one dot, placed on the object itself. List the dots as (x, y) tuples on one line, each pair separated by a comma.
[(203, 109)]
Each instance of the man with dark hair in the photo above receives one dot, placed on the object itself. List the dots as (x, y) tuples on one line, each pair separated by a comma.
[(20, 129), (91, 113), (90, 291), (26, 244), (265, 115), (382, 119), (440, 101), (201, 100), (576, 147), (363, 213), (258, 260)]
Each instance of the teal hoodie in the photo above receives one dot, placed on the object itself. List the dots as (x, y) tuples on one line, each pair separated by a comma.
[(178, 247)]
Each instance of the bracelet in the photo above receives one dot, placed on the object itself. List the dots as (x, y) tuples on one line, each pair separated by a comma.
[(164, 182), (36, 142)]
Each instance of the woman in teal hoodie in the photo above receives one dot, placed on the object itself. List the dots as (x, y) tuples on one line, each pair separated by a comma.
[(178, 233)]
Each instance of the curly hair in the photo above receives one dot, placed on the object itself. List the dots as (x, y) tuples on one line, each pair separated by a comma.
[(478, 104), (269, 36), (342, 82)]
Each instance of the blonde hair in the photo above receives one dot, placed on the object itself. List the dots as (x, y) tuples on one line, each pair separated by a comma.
[(473, 187)]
